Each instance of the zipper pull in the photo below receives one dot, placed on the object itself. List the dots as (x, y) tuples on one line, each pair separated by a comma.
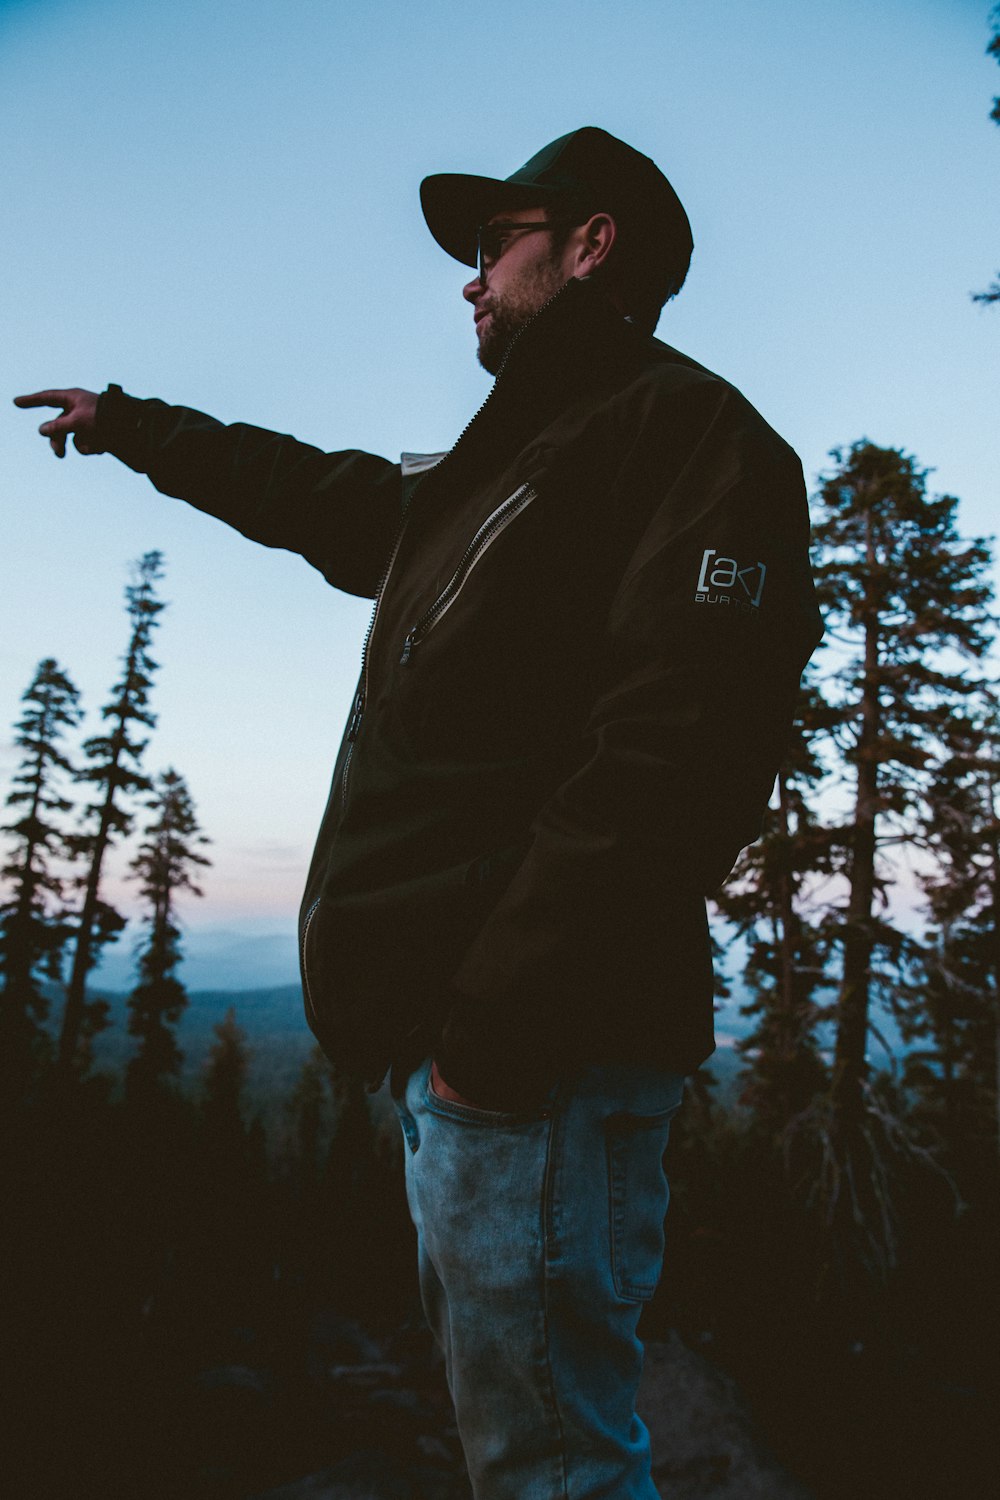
[(408, 646), (356, 716)]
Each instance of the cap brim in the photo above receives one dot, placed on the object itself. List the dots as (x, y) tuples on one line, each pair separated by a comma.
[(455, 205)]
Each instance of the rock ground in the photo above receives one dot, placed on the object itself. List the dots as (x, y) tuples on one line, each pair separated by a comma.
[(705, 1444)]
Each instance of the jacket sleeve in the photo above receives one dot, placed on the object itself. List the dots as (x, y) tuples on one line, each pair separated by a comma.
[(340, 511), (603, 925)]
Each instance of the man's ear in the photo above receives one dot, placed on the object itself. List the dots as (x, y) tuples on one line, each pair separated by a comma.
[(594, 242)]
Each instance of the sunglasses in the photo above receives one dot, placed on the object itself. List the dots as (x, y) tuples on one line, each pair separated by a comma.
[(491, 238)]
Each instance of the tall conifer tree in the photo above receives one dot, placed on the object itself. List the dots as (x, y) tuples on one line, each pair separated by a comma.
[(992, 293), (115, 762), (309, 1108), (165, 865), (33, 930), (768, 903), (954, 1059), (225, 1082), (905, 597)]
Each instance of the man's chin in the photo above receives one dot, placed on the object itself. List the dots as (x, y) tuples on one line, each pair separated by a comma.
[(491, 348)]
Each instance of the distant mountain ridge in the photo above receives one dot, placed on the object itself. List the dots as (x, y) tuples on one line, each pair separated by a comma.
[(278, 1038), (242, 958)]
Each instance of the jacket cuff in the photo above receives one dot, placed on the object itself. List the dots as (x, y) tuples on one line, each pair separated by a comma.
[(119, 427)]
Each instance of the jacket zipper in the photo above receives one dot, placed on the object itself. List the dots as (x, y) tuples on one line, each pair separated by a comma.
[(305, 972), (481, 542), (361, 697)]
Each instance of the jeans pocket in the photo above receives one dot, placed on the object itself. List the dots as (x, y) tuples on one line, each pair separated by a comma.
[(400, 1086), (638, 1196), (471, 1114), (411, 1134)]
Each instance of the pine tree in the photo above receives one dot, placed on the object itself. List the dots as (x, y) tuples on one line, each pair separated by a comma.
[(992, 293), (225, 1081), (905, 597), (164, 865), (236, 1248), (955, 1062), (33, 930), (767, 903), (115, 771), (309, 1109)]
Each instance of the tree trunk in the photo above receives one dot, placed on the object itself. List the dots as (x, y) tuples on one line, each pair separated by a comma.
[(73, 1014), (789, 1027), (852, 1021), (995, 938), (18, 981)]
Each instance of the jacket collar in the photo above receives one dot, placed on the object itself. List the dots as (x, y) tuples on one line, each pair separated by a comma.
[(575, 340), (576, 346)]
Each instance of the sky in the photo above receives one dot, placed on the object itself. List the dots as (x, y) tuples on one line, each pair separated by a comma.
[(218, 205)]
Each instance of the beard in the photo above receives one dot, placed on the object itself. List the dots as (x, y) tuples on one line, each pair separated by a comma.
[(510, 309)]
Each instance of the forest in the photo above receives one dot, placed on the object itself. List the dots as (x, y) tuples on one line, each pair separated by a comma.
[(206, 1297)]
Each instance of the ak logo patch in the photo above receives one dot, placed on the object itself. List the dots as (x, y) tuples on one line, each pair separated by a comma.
[(721, 580)]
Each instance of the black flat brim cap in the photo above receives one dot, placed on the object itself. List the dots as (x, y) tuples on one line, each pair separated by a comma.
[(588, 166), (456, 204)]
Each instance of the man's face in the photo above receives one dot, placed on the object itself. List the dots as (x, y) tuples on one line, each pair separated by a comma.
[(529, 268)]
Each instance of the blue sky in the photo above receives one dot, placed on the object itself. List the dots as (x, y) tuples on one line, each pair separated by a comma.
[(218, 205)]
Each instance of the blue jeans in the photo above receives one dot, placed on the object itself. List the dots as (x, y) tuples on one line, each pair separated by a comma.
[(540, 1237)]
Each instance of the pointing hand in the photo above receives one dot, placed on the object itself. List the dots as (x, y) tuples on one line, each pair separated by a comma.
[(79, 417)]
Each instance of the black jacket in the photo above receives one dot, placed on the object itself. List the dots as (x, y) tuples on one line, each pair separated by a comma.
[(591, 619)]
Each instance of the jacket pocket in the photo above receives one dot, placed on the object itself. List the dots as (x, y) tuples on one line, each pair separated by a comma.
[(494, 525), (638, 1195)]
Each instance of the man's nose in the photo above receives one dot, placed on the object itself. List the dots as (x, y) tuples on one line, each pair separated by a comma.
[(473, 289)]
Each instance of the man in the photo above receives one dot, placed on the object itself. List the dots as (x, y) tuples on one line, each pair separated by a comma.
[(590, 620)]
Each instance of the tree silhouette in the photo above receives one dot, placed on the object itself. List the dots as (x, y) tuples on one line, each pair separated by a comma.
[(906, 599), (114, 769), (954, 1062), (992, 293), (33, 930), (165, 865), (309, 1108), (767, 902), (225, 1081)]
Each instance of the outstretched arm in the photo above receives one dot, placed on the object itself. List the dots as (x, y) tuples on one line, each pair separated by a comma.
[(338, 510)]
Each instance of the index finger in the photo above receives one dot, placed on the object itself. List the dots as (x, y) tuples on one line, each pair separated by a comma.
[(46, 398)]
